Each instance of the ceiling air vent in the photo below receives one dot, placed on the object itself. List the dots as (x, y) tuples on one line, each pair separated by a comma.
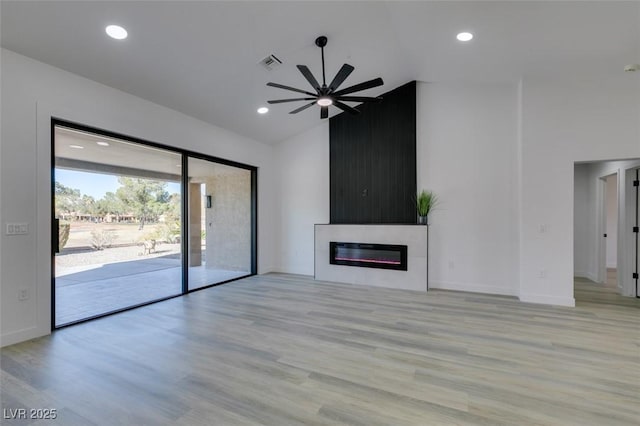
[(270, 62)]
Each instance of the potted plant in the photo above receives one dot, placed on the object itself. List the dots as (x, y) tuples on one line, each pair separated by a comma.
[(425, 202)]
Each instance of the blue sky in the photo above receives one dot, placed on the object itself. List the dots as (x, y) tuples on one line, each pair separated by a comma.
[(96, 184)]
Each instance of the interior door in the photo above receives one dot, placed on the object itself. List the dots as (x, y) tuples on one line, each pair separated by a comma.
[(636, 228)]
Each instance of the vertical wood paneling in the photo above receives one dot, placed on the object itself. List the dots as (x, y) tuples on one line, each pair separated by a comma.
[(373, 161)]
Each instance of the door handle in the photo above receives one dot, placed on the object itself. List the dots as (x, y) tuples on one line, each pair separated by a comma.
[(55, 238)]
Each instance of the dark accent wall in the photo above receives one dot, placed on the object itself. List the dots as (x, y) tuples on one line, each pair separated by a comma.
[(373, 161)]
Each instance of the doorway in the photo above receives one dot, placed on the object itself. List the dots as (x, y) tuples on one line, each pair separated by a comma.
[(610, 208), (633, 212), (608, 262), (605, 228), (136, 222)]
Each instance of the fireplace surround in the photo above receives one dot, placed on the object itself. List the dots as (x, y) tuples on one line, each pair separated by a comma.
[(413, 237)]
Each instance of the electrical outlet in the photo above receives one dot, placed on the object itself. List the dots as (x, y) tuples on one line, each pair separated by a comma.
[(17, 229), (23, 294), (543, 273)]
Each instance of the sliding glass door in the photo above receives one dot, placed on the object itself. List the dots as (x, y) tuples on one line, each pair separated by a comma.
[(134, 222), (219, 222), (118, 219)]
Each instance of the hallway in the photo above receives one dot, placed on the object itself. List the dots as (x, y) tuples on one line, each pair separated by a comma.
[(590, 293)]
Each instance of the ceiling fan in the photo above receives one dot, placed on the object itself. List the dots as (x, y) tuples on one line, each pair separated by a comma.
[(329, 95)]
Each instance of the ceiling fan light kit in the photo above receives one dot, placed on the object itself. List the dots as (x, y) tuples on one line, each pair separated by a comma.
[(328, 95)]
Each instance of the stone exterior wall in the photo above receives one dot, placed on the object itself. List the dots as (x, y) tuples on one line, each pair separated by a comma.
[(228, 221)]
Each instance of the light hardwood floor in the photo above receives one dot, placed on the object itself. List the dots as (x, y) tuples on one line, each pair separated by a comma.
[(283, 349)]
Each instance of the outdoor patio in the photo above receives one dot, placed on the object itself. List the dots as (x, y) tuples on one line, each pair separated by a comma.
[(90, 290)]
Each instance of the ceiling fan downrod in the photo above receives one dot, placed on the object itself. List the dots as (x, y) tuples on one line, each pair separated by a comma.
[(321, 42)]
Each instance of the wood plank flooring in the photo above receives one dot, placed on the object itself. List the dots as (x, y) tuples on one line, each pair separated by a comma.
[(285, 350)]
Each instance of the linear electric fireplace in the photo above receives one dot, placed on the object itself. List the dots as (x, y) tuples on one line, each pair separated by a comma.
[(383, 256)]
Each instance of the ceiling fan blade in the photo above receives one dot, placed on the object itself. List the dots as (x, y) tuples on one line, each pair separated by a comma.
[(362, 86), (310, 78), (340, 77), (324, 112), (279, 101), (302, 108), (346, 107), (359, 99), (293, 89)]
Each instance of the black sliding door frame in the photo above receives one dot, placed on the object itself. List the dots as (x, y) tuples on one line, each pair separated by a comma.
[(184, 238), (184, 241)]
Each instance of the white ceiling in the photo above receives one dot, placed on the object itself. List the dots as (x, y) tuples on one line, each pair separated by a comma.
[(118, 153), (201, 58), (122, 154)]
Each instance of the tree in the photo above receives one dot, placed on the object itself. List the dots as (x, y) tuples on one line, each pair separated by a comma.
[(140, 196), (67, 199), (109, 204), (88, 205), (174, 208)]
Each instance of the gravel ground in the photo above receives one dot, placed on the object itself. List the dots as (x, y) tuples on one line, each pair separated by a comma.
[(74, 258)]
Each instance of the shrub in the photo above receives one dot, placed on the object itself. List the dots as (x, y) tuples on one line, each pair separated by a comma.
[(168, 233), (63, 234), (102, 239)]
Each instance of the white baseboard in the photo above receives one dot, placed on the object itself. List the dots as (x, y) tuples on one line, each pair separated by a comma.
[(266, 270), (293, 270), (291, 273), (20, 336), (471, 287), (548, 300)]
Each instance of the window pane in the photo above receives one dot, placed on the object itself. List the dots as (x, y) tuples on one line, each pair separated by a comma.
[(118, 205), (219, 221)]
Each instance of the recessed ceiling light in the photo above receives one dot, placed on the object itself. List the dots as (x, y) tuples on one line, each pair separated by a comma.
[(116, 31), (325, 101), (102, 143), (464, 36), (76, 146), (263, 110)]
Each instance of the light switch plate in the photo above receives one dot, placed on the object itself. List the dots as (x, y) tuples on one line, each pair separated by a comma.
[(17, 229)]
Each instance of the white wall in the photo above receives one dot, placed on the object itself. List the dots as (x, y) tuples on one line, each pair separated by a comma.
[(32, 92), (502, 159), (467, 154), (611, 206), (564, 123), (303, 196), (463, 132)]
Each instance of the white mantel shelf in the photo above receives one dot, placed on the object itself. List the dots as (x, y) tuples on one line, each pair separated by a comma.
[(415, 237)]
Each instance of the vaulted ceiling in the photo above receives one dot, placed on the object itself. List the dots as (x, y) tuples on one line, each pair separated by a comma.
[(201, 58)]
